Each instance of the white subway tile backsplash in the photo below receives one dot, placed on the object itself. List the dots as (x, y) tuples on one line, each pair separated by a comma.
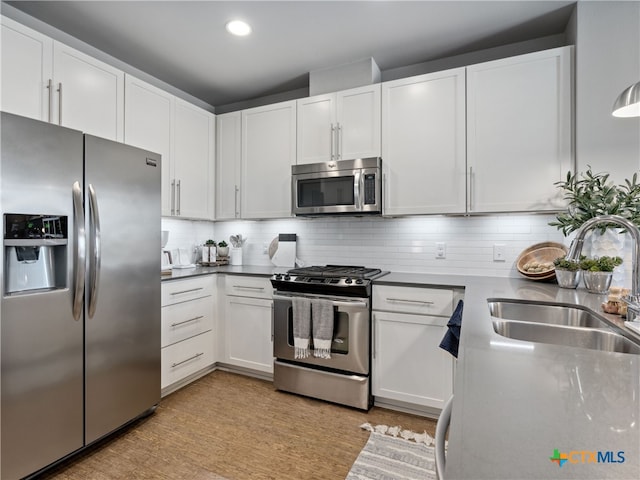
[(405, 244)]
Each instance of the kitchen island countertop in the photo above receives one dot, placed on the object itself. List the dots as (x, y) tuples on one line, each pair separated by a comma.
[(518, 404)]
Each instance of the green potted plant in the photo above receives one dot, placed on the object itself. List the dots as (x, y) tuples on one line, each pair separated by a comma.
[(223, 249), (593, 194), (568, 273), (597, 272)]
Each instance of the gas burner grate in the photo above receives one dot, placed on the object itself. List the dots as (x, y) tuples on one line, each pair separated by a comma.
[(335, 271)]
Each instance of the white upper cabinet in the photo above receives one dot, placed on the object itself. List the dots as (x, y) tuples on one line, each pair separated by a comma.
[(316, 128), (149, 125), (27, 69), (46, 80), (228, 158), (339, 126), (268, 151), (184, 135), (519, 131), (193, 161), (423, 144), (89, 93)]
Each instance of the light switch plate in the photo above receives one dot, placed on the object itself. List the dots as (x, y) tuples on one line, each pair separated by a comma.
[(498, 252)]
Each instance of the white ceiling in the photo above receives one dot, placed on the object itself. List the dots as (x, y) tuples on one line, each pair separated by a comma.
[(184, 43)]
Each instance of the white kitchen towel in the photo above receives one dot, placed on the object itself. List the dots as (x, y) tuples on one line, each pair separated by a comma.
[(301, 326), (322, 316)]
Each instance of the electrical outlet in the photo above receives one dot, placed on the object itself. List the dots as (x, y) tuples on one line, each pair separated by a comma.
[(498, 252), (265, 249), (441, 250)]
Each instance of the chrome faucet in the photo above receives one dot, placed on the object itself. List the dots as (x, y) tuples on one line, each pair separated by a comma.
[(576, 248)]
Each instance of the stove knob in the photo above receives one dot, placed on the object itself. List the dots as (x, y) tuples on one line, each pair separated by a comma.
[(348, 281), (287, 277), (278, 276), (359, 281)]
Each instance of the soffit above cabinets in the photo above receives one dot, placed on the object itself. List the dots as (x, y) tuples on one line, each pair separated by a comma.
[(185, 44)]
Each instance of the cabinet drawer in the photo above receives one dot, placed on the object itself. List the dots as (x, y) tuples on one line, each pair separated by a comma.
[(184, 358), (187, 319), (182, 290), (243, 286), (424, 301)]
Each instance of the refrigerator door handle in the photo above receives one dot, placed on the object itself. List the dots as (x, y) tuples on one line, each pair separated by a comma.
[(94, 269), (80, 251)]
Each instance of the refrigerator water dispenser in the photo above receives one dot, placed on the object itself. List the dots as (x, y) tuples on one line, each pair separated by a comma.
[(35, 252)]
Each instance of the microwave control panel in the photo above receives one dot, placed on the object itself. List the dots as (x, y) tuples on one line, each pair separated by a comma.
[(369, 188)]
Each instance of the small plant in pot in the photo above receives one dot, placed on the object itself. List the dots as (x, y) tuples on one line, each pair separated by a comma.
[(223, 249), (597, 272), (568, 272)]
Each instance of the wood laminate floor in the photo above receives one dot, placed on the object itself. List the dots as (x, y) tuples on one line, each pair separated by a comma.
[(236, 427)]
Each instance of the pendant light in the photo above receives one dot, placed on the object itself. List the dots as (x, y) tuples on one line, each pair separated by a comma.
[(628, 102)]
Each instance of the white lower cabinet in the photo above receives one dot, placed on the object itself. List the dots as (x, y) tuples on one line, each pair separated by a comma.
[(408, 364), (186, 358), (187, 328), (249, 323)]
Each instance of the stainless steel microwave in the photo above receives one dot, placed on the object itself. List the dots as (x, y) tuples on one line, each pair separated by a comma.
[(342, 186)]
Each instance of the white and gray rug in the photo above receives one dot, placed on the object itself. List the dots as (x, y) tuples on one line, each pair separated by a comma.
[(395, 454)]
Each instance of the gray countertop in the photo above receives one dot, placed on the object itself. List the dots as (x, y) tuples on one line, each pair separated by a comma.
[(516, 402), (255, 270)]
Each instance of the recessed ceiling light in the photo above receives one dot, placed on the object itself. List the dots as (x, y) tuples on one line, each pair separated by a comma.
[(238, 27)]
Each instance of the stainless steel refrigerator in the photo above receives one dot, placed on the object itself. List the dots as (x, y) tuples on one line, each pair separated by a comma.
[(80, 286)]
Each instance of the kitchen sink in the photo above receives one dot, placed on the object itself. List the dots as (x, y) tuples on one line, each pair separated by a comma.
[(571, 326), (593, 338), (545, 313)]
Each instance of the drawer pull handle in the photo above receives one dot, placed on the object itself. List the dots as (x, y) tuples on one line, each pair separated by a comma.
[(186, 291), (260, 289), (187, 321), (173, 365), (402, 300)]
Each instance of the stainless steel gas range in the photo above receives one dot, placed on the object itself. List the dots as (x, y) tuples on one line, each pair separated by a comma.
[(302, 298)]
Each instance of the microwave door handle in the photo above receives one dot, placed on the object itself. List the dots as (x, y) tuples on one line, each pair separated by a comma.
[(358, 188)]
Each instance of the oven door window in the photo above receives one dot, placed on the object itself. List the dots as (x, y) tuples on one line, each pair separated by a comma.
[(340, 342), (326, 192)]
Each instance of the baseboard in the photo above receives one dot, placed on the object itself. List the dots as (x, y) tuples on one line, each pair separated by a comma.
[(405, 407), (187, 380), (244, 371)]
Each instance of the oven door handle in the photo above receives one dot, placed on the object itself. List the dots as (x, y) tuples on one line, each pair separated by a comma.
[(337, 302)]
